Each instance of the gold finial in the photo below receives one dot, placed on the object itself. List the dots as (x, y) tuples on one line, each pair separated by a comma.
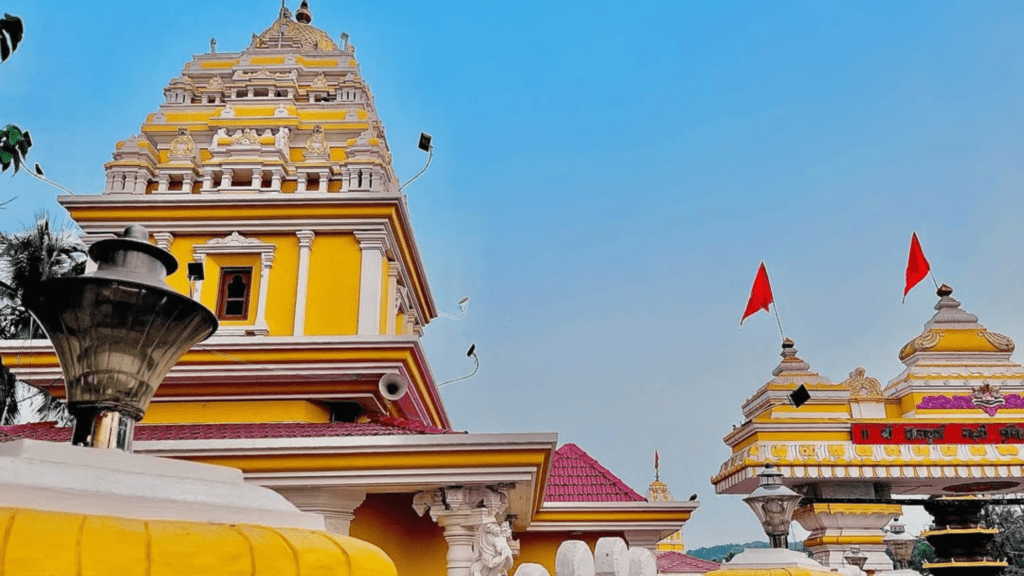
[(303, 14)]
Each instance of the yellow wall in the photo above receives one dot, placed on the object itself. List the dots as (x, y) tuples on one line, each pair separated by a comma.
[(416, 544), (541, 547), (234, 412), (332, 304), (283, 278)]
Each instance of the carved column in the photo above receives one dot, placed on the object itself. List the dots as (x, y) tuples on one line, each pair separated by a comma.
[(305, 245), (266, 261), (323, 181), (461, 511), (257, 178), (275, 179), (141, 181), (374, 247), (301, 185), (336, 505), (225, 178), (207, 181)]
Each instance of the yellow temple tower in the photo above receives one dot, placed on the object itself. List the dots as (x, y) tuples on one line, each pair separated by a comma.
[(267, 173)]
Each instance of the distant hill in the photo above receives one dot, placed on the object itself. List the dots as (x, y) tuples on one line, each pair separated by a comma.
[(718, 553)]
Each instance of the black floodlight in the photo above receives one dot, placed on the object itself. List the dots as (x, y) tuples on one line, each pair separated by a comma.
[(799, 397), (195, 271), (425, 141), (472, 349)]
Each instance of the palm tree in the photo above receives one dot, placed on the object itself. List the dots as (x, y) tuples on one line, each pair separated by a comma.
[(28, 258)]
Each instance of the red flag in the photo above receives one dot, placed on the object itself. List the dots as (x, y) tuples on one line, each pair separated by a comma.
[(655, 459), (760, 294), (917, 265)]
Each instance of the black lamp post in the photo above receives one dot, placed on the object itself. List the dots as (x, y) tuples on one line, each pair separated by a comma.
[(117, 331)]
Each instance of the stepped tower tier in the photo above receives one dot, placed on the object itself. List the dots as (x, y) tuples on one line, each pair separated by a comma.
[(268, 172)]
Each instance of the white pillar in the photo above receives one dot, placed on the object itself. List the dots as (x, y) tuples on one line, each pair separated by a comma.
[(305, 245), (225, 178), (186, 183), (461, 510), (208, 180), (336, 505), (261, 327), (373, 246), (141, 181), (392, 305), (275, 179), (257, 178), (323, 181), (301, 185)]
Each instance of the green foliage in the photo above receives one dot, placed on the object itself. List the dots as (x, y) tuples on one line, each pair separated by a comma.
[(1009, 543), (14, 145), (923, 552), (723, 552), (28, 258), (11, 33)]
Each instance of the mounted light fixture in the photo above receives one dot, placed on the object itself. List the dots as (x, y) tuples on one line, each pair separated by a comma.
[(427, 146), (117, 331), (774, 505), (900, 544), (854, 557)]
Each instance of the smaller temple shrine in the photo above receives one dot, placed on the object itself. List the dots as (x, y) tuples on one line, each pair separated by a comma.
[(948, 427)]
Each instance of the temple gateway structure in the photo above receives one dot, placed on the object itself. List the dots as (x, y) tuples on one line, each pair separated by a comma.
[(947, 428), (268, 174)]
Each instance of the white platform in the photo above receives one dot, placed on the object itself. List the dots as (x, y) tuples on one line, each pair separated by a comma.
[(66, 478)]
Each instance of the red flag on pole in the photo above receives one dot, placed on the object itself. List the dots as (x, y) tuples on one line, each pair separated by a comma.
[(760, 294), (917, 265)]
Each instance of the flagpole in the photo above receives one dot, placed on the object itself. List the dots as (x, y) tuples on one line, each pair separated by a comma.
[(778, 320), (932, 276)]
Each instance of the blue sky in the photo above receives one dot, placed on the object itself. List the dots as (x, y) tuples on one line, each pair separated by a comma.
[(608, 176)]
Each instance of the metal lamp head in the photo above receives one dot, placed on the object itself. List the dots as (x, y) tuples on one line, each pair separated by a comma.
[(900, 544), (117, 331), (774, 505), (854, 557)]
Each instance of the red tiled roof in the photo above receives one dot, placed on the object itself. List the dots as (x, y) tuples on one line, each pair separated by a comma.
[(384, 426), (576, 477), (679, 562)]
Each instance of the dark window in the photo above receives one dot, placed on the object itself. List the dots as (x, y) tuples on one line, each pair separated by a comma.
[(235, 286)]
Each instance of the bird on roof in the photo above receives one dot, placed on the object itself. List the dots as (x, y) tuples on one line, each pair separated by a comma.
[(693, 497)]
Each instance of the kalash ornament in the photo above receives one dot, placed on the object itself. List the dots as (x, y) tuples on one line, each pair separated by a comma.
[(117, 332)]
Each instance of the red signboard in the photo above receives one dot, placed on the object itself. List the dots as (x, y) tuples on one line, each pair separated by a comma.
[(939, 433)]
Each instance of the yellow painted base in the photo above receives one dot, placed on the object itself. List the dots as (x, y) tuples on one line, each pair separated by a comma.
[(34, 542)]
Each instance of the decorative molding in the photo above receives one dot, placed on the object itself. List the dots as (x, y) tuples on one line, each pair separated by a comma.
[(862, 386), (235, 243), (163, 240)]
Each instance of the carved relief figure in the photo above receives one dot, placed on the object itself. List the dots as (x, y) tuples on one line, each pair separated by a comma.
[(280, 111), (227, 112), (492, 554), (317, 144), (216, 83), (221, 133), (182, 146), (281, 140), (320, 81)]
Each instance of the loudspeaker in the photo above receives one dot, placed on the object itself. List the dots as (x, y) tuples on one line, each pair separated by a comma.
[(392, 386)]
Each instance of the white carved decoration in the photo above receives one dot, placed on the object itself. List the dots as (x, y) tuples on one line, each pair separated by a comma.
[(611, 557), (282, 140), (227, 112), (280, 111), (235, 239), (492, 554), (216, 83), (320, 81), (574, 559), (642, 562), (215, 141)]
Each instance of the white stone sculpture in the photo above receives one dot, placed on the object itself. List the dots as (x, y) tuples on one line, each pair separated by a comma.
[(642, 562), (227, 112), (280, 111), (492, 555), (220, 133), (574, 559), (281, 141), (611, 557)]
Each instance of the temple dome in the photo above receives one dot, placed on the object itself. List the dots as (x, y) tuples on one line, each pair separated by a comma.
[(953, 330), (286, 32)]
